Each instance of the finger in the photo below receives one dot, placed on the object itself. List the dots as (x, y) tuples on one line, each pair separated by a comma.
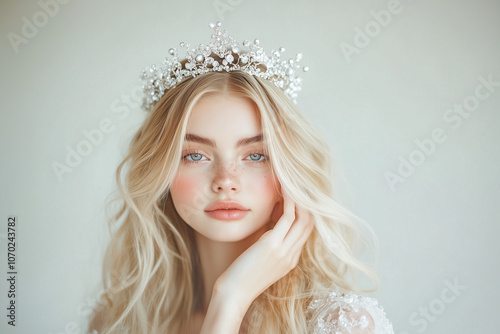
[(302, 240), (308, 230), (283, 224), (299, 246), (300, 230)]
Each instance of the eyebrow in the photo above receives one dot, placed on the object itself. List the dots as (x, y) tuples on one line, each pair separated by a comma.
[(242, 142)]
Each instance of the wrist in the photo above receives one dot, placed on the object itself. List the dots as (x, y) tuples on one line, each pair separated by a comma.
[(225, 313), (228, 295), (232, 295)]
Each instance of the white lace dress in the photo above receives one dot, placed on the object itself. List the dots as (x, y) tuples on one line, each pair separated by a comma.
[(338, 313)]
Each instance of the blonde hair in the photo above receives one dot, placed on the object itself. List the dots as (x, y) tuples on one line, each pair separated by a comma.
[(155, 283)]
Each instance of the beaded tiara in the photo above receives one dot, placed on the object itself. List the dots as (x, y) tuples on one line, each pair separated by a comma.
[(223, 53)]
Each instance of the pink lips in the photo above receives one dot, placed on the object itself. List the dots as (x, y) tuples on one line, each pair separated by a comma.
[(226, 210)]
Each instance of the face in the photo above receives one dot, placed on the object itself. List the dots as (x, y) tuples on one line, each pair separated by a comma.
[(223, 160)]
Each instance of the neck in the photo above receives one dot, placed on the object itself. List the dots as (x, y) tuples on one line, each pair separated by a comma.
[(217, 256)]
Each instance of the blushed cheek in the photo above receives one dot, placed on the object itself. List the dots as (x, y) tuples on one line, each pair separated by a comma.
[(183, 188), (265, 187)]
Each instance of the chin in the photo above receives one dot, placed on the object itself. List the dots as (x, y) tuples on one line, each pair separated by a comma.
[(231, 231)]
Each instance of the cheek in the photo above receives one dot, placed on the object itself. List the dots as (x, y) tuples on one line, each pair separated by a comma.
[(264, 187), (183, 187)]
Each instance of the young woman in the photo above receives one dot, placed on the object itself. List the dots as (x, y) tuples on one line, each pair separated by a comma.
[(228, 222)]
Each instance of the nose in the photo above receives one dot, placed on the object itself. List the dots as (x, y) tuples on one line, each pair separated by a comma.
[(226, 177)]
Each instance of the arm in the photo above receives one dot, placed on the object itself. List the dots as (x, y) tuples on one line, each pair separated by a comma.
[(224, 314)]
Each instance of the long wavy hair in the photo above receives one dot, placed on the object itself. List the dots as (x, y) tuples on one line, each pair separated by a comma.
[(151, 270)]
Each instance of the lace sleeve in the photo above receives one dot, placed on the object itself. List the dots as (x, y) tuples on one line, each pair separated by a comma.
[(347, 313)]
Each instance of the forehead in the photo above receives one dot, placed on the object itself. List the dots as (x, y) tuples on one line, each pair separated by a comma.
[(224, 117)]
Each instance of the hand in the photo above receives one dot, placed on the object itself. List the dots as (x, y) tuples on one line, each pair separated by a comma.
[(275, 254)]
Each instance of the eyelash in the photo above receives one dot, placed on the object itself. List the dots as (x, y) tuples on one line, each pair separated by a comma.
[(196, 162)]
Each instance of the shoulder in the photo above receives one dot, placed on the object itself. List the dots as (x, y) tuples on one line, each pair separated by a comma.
[(347, 313)]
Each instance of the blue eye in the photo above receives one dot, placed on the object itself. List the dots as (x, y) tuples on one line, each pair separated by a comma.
[(196, 154), (196, 157), (257, 155)]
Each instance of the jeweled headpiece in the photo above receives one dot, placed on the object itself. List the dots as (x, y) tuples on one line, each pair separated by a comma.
[(221, 54)]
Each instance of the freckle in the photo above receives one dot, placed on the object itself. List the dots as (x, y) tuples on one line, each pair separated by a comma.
[(227, 169)]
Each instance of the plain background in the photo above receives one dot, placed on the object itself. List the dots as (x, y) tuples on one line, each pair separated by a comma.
[(438, 225)]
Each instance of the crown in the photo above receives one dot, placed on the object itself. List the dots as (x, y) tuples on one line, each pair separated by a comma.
[(223, 53)]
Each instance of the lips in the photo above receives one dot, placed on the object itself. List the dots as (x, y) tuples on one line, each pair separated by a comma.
[(226, 205), (226, 210)]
